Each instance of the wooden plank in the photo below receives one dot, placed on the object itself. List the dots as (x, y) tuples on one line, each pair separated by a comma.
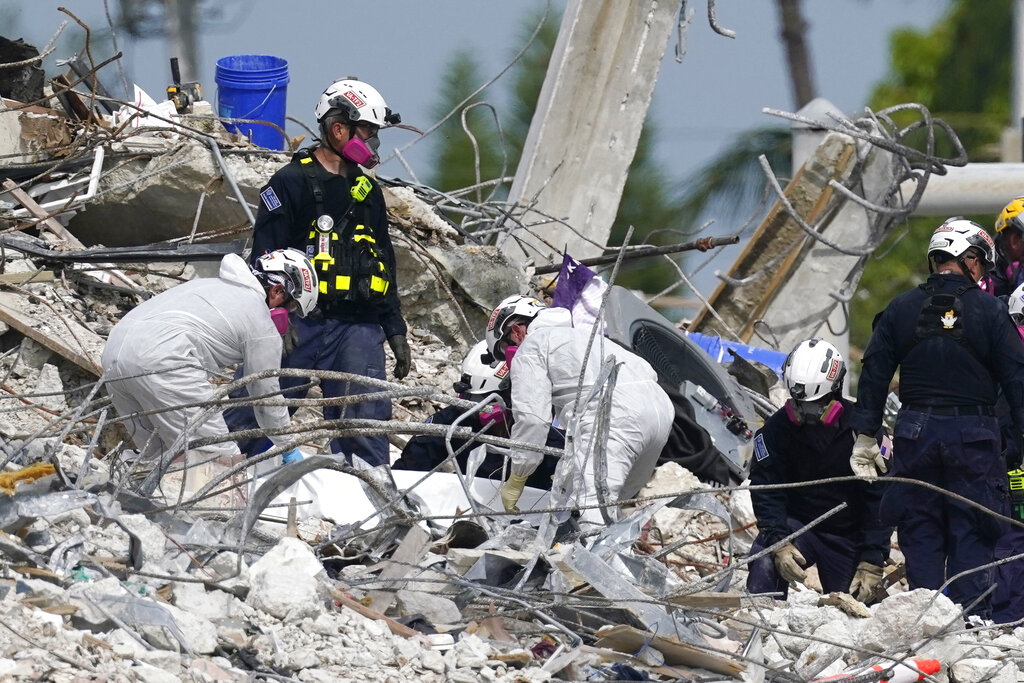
[(79, 344), (394, 626), (26, 278), (624, 638), (409, 552)]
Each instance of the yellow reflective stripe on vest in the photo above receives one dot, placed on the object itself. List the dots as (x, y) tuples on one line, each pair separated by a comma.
[(342, 283), (364, 238), (378, 284), (305, 160)]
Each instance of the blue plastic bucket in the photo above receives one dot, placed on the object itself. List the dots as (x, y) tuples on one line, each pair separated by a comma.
[(253, 87), (717, 348)]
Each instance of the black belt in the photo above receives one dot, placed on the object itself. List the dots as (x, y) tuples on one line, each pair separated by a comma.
[(956, 411)]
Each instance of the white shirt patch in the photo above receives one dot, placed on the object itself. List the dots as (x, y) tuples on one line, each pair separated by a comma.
[(270, 199), (760, 450)]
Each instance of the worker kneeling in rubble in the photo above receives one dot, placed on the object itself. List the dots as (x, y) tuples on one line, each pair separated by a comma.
[(811, 438), (482, 376), (546, 357), (158, 357)]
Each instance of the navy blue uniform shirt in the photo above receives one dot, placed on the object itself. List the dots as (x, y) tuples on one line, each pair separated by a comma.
[(785, 453), (286, 215), (936, 371)]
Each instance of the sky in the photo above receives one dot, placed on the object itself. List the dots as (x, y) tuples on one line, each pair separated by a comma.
[(402, 48)]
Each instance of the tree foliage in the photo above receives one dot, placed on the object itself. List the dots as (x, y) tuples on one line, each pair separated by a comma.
[(960, 70)]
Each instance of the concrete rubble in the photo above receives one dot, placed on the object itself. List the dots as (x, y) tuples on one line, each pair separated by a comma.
[(99, 583)]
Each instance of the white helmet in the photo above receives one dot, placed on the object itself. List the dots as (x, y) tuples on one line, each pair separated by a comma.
[(813, 370), (480, 377), (515, 306), (290, 267), (360, 101), (1016, 305), (956, 235)]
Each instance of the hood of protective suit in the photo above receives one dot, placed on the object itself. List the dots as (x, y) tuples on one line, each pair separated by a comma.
[(233, 268), (210, 322), (550, 317)]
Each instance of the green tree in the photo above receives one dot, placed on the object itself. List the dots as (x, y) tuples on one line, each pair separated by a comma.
[(456, 157), (960, 70)]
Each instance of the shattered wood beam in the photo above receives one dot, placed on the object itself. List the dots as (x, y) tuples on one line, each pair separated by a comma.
[(773, 251), (586, 126), (52, 225), (52, 333)]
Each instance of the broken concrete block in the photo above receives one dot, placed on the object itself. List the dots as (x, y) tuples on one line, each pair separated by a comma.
[(151, 536), (283, 582), (437, 609), (231, 572), (147, 673), (50, 389), (432, 660), (200, 634), (208, 604), (904, 618), (472, 652), (980, 670), (32, 356)]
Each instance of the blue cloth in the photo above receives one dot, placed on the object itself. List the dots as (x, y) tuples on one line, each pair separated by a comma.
[(834, 555), (294, 455), (941, 537), (330, 344)]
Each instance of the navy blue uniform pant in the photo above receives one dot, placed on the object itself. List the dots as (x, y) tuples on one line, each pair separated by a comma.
[(834, 556), (941, 537), (1008, 597), (328, 344)]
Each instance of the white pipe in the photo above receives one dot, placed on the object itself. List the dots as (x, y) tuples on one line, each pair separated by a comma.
[(94, 181), (973, 189)]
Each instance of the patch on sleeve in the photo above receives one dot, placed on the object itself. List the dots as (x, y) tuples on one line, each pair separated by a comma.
[(760, 450), (270, 199)]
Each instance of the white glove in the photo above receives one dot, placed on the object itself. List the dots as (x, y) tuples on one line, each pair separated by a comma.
[(867, 456)]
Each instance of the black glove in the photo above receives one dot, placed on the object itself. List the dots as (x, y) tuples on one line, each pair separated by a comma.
[(288, 341), (403, 359)]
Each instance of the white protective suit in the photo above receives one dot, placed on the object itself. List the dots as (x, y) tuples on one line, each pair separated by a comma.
[(545, 374), (162, 352)]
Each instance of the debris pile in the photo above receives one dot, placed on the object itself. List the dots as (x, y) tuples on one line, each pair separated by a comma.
[(323, 570)]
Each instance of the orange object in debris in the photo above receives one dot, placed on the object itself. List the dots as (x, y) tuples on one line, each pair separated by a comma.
[(8, 480), (914, 670)]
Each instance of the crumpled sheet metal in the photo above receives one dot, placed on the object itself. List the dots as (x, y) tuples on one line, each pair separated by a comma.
[(14, 511)]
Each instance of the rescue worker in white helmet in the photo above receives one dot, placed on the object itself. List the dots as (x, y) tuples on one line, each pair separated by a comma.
[(482, 376), (325, 203), (546, 358), (1008, 271), (159, 357), (810, 438), (955, 347)]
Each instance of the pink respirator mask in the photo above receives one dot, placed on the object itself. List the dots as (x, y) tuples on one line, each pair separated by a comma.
[(280, 318), (357, 151)]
